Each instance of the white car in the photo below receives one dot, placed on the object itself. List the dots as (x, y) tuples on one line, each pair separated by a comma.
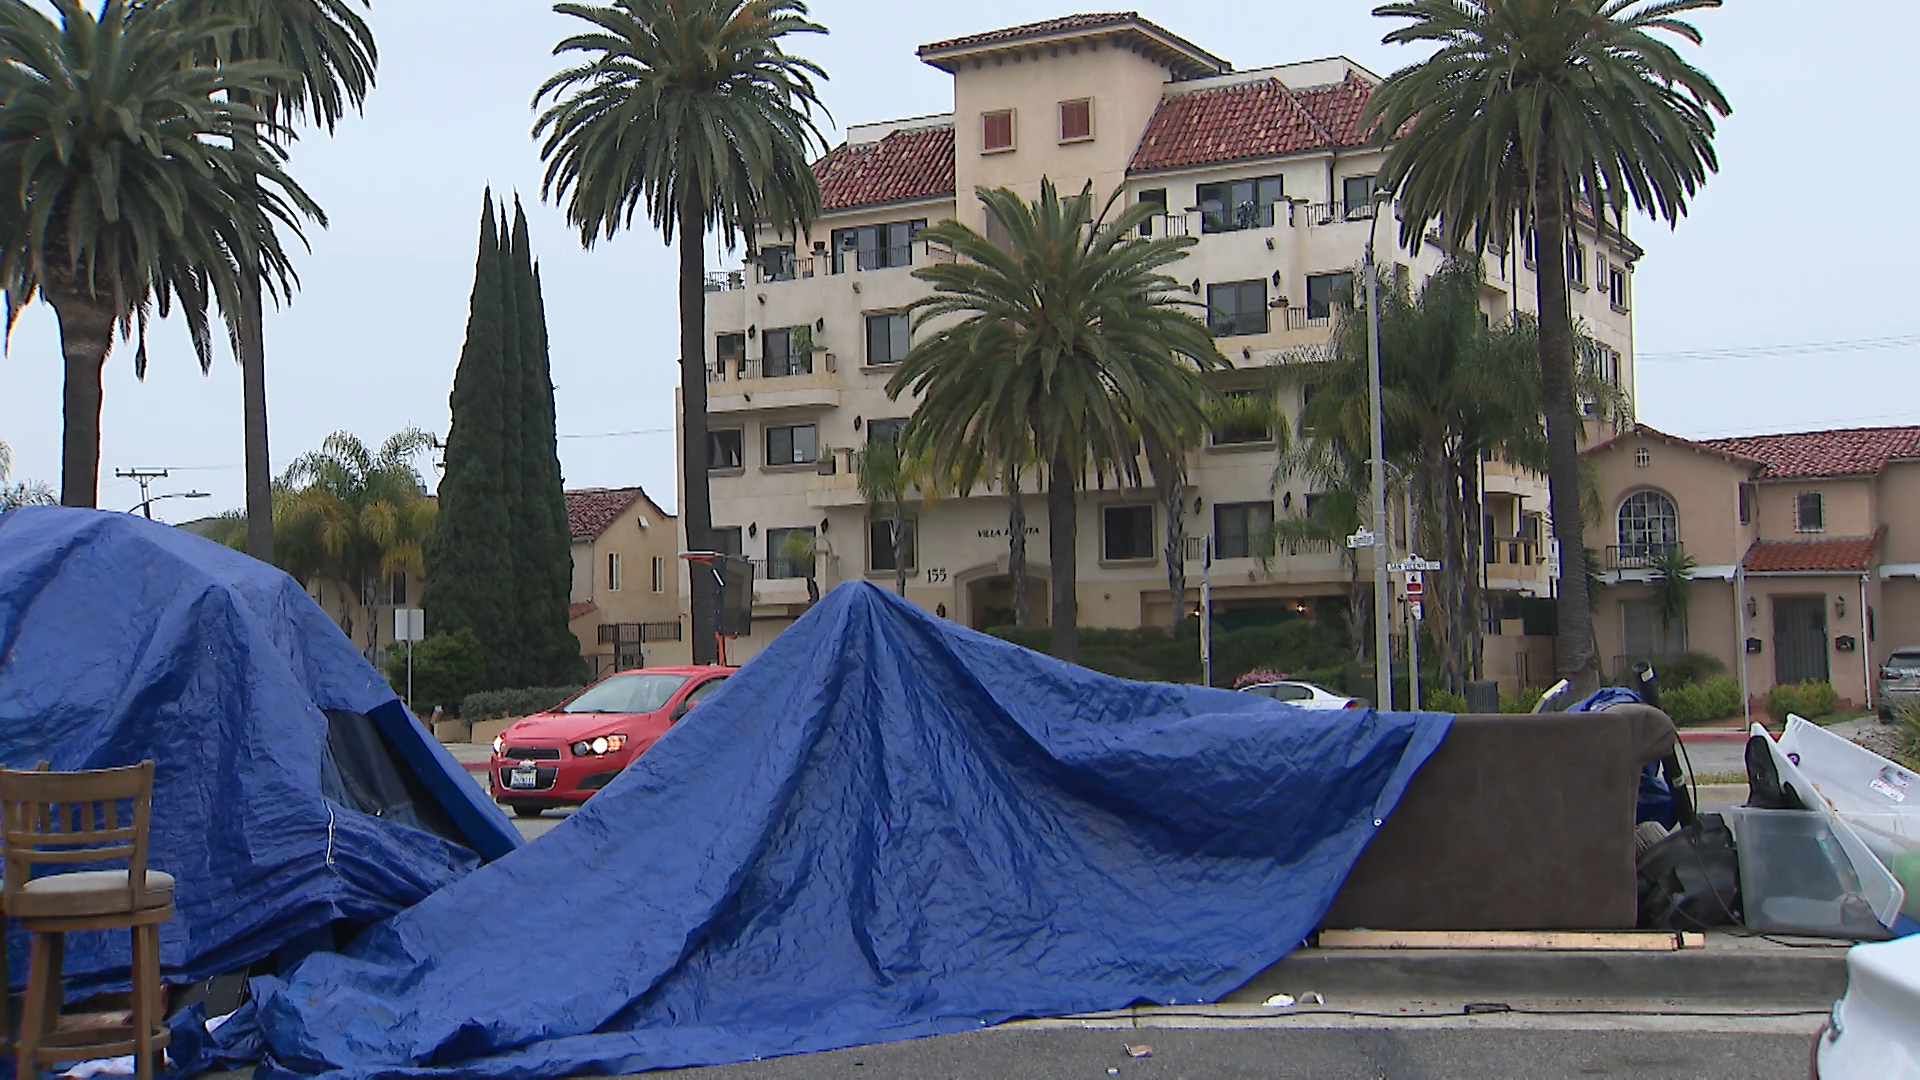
[(1304, 695), (1873, 1032)]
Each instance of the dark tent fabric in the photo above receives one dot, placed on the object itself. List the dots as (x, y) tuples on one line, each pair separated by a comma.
[(883, 826), (122, 639)]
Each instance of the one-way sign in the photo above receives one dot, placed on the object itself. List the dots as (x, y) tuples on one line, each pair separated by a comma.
[(1413, 562)]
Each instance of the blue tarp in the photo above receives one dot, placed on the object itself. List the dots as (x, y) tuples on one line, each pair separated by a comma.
[(883, 826), (122, 639)]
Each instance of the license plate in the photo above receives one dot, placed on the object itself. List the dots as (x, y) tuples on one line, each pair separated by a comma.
[(525, 776)]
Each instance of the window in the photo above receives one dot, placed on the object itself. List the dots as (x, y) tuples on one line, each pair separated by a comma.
[(1240, 528), (1237, 307), (888, 338), (1326, 290), (399, 589), (1649, 525), (997, 233), (996, 131), (788, 553), (777, 263), (884, 430), (1577, 263), (1809, 512), (726, 539), (791, 445), (1076, 120), (723, 448), (1617, 287), (1357, 193), (1642, 458), (700, 692), (1746, 504), (730, 352), (1646, 633), (1533, 239), (781, 355), (659, 574), (1232, 205), (613, 571), (1233, 434), (1158, 197), (876, 247), (881, 546), (1127, 533)]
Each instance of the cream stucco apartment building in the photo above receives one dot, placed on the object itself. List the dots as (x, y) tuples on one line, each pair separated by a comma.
[(1807, 548), (1269, 168), (625, 596)]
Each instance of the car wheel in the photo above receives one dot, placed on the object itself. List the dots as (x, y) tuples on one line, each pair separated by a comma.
[(1886, 715), (528, 811)]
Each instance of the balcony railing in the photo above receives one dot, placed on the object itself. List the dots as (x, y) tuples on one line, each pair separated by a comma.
[(1313, 215), (1513, 550), (726, 280), (1309, 318), (1640, 556), (629, 633)]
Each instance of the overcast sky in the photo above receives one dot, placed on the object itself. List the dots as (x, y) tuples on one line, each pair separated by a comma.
[(1806, 238)]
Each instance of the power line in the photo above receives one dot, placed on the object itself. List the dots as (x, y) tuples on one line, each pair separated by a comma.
[(616, 434), (1805, 348)]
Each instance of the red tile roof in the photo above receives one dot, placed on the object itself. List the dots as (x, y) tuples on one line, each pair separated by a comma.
[(583, 607), (591, 510), (1843, 452), (912, 164), (1337, 108), (1251, 120), (1062, 25), (1643, 431), (1847, 554)]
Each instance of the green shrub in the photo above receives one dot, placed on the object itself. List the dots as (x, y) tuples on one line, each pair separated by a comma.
[(1715, 699), (1809, 699), (494, 704), (1906, 738), (1302, 648), (1529, 697), (446, 668), (1447, 701)]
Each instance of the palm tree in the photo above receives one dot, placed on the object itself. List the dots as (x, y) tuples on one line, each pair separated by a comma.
[(1071, 341), (132, 176), (350, 514), (692, 112), (1335, 511), (1526, 111), (24, 493), (327, 56), (1672, 581), (888, 477)]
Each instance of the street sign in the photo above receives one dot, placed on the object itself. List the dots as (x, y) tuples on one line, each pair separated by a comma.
[(1413, 563), (1415, 586), (409, 624), (1553, 557), (1361, 539), (1414, 611)]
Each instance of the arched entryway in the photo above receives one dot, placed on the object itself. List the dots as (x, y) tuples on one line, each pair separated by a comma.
[(988, 593)]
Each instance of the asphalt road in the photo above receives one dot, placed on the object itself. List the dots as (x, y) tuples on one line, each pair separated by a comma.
[(1213, 1054)]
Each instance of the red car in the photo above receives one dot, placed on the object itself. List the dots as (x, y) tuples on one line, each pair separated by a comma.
[(562, 756)]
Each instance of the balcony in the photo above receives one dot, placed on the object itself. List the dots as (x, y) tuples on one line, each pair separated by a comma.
[(1319, 215), (1513, 551), (726, 280), (638, 633), (1309, 318), (1640, 556), (759, 384)]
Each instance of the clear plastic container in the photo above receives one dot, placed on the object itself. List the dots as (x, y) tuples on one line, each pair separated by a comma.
[(1804, 872), (1879, 798)]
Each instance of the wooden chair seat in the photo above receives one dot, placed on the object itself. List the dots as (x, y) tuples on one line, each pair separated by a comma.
[(90, 892)]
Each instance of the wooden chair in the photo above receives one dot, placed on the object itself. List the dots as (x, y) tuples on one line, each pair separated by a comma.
[(75, 819)]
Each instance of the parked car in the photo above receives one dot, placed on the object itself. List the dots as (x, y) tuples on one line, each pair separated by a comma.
[(1873, 1032), (1305, 695), (562, 756), (1899, 681)]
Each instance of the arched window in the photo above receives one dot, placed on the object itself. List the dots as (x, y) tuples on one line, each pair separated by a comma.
[(1649, 525)]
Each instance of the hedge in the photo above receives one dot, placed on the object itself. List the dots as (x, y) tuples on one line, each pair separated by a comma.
[(1300, 647), (493, 704), (1808, 699), (1715, 699)]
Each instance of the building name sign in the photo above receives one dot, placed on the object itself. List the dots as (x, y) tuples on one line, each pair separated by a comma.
[(989, 534)]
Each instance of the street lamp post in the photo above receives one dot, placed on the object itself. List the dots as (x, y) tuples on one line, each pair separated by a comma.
[(1382, 631), (146, 505)]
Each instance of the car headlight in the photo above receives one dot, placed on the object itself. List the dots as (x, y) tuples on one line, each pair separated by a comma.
[(499, 744), (605, 744)]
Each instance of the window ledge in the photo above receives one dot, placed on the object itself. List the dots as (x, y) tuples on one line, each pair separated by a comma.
[(1080, 139), (1241, 447), (1580, 285), (887, 575), (736, 470), (891, 365), (1808, 532), (804, 466), (997, 150), (1127, 563), (1619, 309)]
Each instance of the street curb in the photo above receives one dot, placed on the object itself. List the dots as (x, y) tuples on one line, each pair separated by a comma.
[(474, 766), (1811, 977), (1713, 736)]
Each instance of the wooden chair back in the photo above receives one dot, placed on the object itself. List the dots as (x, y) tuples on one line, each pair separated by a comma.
[(76, 819)]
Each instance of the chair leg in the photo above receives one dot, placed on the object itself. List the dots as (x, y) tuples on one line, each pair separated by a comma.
[(33, 1012), (142, 996)]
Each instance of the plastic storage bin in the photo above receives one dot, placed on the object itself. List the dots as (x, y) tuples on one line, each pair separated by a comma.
[(1880, 799), (1803, 872)]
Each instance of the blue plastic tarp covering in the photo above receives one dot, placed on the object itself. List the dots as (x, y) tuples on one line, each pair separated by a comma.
[(121, 640), (883, 826)]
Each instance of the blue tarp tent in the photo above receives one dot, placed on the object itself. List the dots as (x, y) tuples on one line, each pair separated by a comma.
[(883, 826), (275, 743)]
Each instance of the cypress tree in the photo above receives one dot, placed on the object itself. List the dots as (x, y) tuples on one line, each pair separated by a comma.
[(543, 543), (468, 557), (518, 670)]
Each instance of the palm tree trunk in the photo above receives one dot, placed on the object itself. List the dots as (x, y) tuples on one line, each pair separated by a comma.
[(1574, 657), (86, 333), (1016, 545), (253, 406), (696, 509), (1167, 469), (899, 534), (1471, 562), (1062, 569)]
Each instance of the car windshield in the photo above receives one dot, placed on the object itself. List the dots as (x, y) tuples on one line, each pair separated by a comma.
[(1282, 691), (1904, 661), (637, 693)]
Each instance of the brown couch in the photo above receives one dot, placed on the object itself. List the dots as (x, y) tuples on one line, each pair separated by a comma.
[(1517, 822)]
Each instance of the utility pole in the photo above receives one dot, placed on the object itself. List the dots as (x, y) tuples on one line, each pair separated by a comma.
[(145, 478)]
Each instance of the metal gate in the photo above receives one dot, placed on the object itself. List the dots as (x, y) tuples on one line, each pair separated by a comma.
[(1799, 639)]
